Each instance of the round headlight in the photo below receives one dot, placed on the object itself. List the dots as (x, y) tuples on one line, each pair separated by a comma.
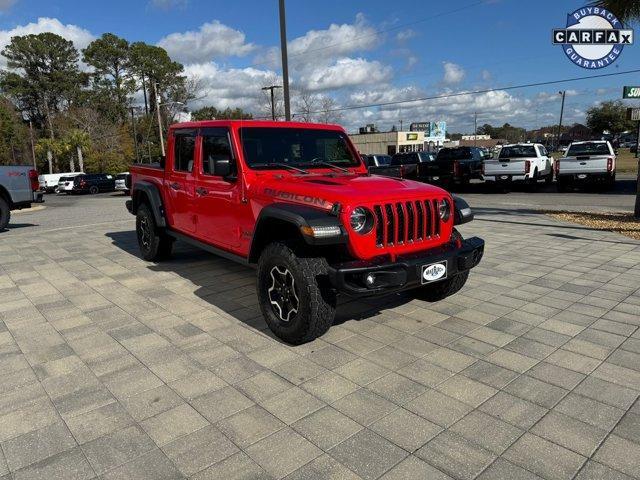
[(361, 220), (444, 208)]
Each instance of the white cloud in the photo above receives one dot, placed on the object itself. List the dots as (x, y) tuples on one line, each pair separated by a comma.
[(405, 35), (453, 73), (211, 40), (6, 5), (79, 36), (345, 72), (486, 75)]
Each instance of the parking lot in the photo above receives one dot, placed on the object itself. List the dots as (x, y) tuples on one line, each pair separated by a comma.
[(112, 367)]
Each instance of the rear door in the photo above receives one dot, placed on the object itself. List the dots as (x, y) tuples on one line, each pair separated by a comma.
[(217, 199), (180, 181)]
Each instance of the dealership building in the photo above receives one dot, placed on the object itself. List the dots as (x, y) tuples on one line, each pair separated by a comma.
[(388, 142)]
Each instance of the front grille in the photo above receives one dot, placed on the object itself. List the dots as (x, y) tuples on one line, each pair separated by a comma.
[(401, 223)]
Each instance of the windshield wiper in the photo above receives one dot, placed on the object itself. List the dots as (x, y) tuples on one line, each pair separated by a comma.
[(283, 165), (317, 161)]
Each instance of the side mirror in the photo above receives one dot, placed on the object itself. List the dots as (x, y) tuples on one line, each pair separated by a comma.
[(224, 168)]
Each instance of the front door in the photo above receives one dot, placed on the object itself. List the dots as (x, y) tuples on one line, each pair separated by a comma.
[(217, 199), (180, 180)]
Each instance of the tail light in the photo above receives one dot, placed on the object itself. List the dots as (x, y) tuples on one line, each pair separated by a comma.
[(33, 180), (527, 166), (609, 164), (456, 169)]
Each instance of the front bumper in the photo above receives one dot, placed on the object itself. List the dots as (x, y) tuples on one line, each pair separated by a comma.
[(406, 272)]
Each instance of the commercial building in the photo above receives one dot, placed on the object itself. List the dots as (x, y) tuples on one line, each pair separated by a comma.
[(388, 142)]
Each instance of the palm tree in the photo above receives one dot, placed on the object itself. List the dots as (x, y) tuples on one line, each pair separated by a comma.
[(627, 11), (79, 140)]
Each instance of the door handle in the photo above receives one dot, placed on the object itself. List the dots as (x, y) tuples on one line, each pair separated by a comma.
[(175, 186), (201, 191)]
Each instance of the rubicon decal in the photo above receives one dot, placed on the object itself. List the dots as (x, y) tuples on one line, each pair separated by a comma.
[(294, 197), (593, 38)]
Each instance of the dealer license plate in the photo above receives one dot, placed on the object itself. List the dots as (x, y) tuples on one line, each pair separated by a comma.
[(582, 176), (433, 272)]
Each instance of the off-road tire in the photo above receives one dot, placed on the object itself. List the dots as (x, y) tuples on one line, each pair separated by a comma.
[(316, 299), (436, 291), (153, 242), (5, 214), (93, 189), (549, 178), (562, 185), (533, 181)]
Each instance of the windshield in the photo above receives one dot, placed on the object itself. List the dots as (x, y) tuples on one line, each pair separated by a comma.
[(518, 151), (296, 147), (454, 154), (426, 156), (588, 149), (384, 160)]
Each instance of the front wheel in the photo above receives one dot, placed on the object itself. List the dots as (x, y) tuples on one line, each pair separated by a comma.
[(295, 297), (154, 244), (5, 214)]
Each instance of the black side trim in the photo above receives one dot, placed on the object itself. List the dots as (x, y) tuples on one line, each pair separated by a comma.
[(463, 212), (298, 216), (208, 248), (153, 195)]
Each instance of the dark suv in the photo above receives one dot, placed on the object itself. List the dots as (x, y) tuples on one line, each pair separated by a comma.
[(410, 161), (94, 183), (456, 165)]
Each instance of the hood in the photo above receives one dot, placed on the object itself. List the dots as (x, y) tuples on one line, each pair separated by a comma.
[(323, 190)]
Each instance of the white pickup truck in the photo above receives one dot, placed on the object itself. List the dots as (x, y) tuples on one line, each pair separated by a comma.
[(18, 190), (519, 162), (587, 162)]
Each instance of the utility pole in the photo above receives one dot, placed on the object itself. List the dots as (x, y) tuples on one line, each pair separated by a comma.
[(475, 129), (285, 63), (155, 91), (135, 135), (33, 148), (563, 93), (636, 210), (271, 88)]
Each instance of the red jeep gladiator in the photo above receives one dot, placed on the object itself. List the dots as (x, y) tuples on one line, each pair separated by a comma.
[(296, 200)]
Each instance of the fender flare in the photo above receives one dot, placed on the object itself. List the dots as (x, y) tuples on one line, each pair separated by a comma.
[(298, 216), (463, 212), (152, 193)]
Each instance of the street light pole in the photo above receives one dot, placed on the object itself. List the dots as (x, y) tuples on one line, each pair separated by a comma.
[(271, 88), (475, 129), (285, 61), (563, 93), (155, 91)]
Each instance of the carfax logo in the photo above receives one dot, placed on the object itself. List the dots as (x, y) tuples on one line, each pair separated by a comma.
[(593, 37)]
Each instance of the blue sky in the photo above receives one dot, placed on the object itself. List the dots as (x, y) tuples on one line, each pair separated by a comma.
[(361, 52)]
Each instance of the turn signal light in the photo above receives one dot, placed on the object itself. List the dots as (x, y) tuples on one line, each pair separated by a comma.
[(527, 166), (609, 164)]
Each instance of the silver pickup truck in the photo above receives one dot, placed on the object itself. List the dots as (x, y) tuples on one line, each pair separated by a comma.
[(18, 189), (587, 162)]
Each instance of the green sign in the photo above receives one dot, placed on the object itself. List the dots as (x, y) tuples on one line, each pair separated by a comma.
[(631, 92)]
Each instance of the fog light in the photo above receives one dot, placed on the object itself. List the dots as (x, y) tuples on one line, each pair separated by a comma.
[(370, 280)]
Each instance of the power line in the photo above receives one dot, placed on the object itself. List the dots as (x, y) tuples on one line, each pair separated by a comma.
[(476, 92)]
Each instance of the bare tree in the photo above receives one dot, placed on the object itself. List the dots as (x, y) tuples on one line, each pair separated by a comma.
[(306, 105), (328, 111)]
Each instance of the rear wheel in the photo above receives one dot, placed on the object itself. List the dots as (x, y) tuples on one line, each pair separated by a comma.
[(93, 189), (5, 214), (154, 244), (533, 181), (562, 184), (440, 290), (549, 178), (295, 297)]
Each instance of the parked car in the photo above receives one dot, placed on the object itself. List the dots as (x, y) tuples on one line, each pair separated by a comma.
[(587, 162), (65, 184), (48, 182), (409, 162), (19, 187), (520, 162), (123, 182), (457, 165), (94, 183), (381, 165), (295, 199)]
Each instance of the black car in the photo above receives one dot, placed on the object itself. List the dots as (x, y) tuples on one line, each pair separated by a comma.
[(456, 165), (410, 161), (94, 183), (379, 164)]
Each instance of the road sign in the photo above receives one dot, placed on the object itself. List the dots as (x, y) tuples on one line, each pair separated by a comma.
[(633, 114), (631, 92)]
